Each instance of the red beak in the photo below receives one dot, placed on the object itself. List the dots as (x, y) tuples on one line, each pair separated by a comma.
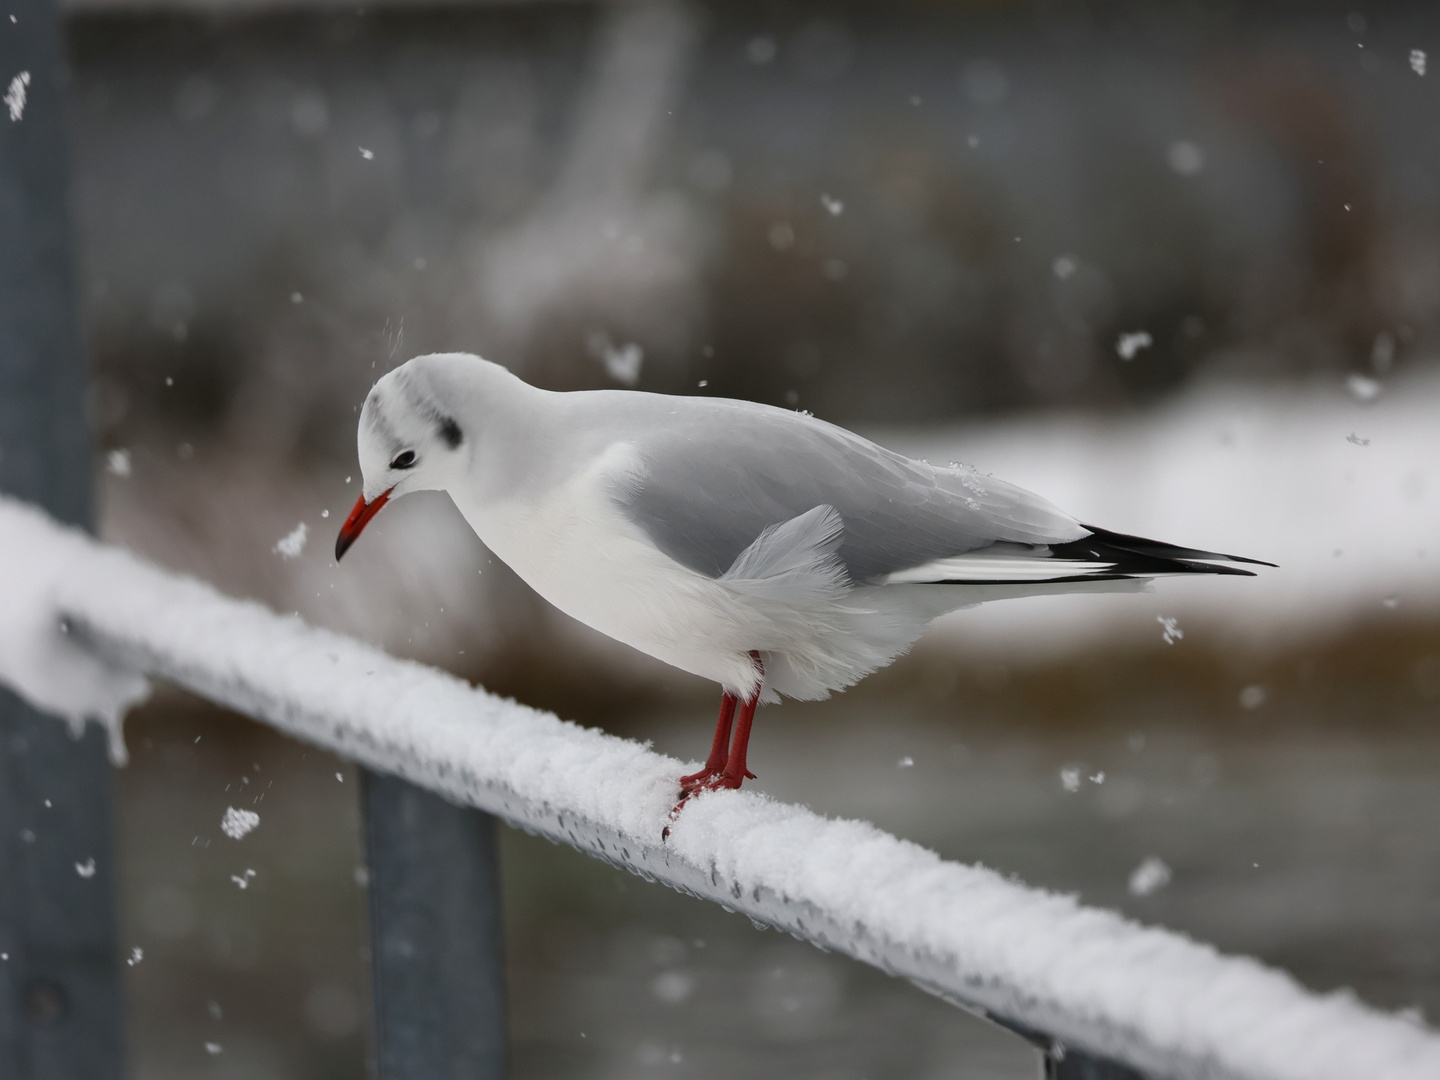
[(358, 519)]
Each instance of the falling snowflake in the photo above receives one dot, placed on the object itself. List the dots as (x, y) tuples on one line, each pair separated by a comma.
[(1130, 345), (622, 362), (1185, 158), (236, 823), (1363, 389), (1064, 266), (292, 543), (906, 762), (761, 50), (117, 463), (243, 880), (1252, 697), (782, 236), (1070, 778), (672, 987), (1150, 876), (1417, 61), (368, 155), (1170, 629), (136, 955), (1356, 440), (15, 96), (832, 204), (87, 868)]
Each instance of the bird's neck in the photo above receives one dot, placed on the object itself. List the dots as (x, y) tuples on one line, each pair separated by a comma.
[(514, 425)]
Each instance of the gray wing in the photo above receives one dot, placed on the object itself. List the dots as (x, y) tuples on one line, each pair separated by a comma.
[(718, 473)]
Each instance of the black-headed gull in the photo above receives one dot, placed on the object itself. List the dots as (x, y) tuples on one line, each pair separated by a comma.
[(764, 549)]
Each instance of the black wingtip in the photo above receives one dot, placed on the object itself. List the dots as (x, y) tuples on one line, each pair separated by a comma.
[(1196, 559), (1217, 568), (1253, 562)]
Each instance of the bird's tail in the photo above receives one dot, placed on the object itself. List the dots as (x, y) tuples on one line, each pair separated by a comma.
[(1100, 556)]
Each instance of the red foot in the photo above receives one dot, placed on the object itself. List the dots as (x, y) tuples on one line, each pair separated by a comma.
[(702, 780), (695, 783), (711, 781), (725, 767)]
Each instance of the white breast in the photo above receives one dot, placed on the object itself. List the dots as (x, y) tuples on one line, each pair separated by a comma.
[(574, 547)]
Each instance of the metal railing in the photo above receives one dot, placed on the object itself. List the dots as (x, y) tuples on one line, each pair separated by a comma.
[(1103, 996)]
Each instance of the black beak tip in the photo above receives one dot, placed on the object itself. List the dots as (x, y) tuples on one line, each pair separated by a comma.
[(342, 545)]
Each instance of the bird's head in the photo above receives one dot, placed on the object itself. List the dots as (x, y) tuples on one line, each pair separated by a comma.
[(408, 439)]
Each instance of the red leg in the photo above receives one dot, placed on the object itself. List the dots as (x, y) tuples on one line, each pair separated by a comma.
[(735, 772), (725, 768), (719, 749)]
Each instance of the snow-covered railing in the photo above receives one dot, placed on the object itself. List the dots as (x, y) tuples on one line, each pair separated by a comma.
[(91, 618)]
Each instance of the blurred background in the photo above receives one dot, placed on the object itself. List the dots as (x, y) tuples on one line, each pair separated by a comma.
[(1176, 266)]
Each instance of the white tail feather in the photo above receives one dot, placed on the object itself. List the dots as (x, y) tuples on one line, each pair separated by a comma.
[(981, 568), (813, 640)]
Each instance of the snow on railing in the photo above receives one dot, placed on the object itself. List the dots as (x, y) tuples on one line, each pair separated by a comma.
[(1040, 962)]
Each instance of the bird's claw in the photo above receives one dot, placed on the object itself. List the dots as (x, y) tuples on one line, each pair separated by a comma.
[(694, 784), (694, 781), (709, 781)]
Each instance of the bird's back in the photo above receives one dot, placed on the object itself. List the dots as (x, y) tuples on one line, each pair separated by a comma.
[(717, 473)]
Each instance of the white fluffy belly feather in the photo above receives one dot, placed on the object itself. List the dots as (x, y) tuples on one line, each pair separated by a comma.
[(579, 552)]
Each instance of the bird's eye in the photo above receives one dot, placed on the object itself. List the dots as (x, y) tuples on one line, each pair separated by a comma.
[(404, 460)]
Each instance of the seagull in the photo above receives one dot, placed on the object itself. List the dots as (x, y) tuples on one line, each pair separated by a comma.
[(760, 548)]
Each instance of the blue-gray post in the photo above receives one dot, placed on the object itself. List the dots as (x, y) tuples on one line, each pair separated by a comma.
[(437, 956), (60, 1014), (1059, 1062), (1080, 1066)]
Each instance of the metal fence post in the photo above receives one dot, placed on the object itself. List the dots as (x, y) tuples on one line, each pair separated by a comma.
[(1076, 1065), (1059, 1062), (436, 945), (60, 1011)]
